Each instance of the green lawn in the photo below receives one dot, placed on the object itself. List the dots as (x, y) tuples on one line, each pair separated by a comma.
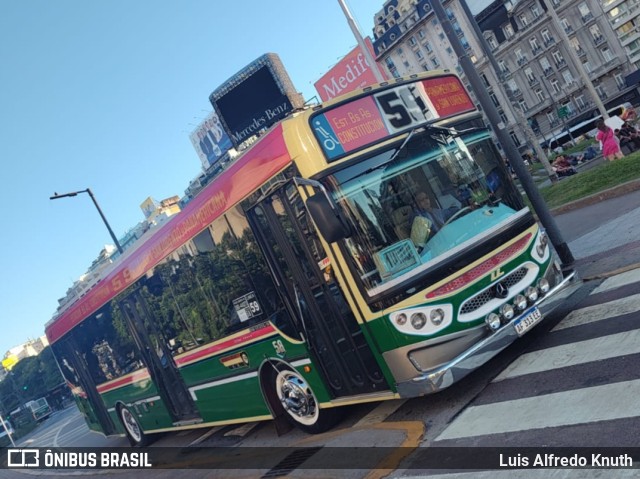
[(592, 181)]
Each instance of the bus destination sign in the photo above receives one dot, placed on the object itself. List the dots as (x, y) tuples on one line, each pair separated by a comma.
[(369, 119)]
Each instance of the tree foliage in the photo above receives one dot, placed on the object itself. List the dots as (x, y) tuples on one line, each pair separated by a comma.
[(31, 378)]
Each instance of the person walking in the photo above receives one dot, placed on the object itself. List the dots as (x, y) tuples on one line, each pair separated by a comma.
[(607, 138)]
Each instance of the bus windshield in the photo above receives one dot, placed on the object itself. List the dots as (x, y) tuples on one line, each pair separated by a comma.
[(416, 202)]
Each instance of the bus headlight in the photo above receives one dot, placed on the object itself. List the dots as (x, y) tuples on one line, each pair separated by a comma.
[(493, 321), (507, 312), (531, 293), (418, 320), (520, 302), (543, 285), (424, 320), (436, 316)]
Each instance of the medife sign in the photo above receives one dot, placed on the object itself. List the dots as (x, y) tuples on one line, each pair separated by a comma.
[(351, 73)]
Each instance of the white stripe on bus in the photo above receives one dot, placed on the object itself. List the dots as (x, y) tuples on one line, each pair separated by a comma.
[(151, 399), (240, 377)]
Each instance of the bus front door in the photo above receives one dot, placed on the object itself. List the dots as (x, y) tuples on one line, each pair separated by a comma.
[(308, 288), (159, 361)]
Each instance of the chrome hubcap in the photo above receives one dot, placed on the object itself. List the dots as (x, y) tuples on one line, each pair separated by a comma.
[(130, 424), (297, 397)]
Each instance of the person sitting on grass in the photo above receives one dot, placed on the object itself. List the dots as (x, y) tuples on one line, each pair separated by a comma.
[(631, 135), (563, 167)]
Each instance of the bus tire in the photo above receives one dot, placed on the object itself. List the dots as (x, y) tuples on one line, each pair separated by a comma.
[(300, 403), (136, 435)]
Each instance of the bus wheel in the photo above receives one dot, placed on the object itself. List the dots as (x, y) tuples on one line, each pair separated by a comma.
[(134, 432), (300, 403)]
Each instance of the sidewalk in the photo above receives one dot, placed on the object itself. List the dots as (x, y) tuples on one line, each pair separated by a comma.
[(603, 230)]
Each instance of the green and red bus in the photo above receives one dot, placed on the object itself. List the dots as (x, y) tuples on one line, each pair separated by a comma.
[(301, 278)]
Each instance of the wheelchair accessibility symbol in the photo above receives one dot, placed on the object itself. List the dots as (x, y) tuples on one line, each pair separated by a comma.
[(329, 142)]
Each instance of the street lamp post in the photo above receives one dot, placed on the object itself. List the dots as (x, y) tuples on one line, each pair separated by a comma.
[(356, 33), (93, 198)]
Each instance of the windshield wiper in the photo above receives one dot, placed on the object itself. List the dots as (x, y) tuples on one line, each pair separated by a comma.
[(451, 131), (404, 143)]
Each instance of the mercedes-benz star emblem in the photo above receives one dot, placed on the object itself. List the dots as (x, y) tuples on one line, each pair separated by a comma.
[(501, 290)]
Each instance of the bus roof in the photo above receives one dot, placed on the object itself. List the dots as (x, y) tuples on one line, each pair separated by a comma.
[(268, 156)]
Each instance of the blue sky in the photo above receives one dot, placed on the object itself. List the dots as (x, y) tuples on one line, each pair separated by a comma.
[(103, 95)]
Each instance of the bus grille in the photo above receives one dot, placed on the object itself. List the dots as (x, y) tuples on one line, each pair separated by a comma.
[(487, 295)]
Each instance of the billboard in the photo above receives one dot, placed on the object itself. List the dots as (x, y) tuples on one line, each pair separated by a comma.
[(210, 140), (350, 73), (255, 98)]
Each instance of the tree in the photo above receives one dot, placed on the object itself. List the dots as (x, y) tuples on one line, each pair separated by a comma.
[(31, 378)]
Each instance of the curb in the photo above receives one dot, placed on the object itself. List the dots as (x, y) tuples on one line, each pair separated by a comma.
[(615, 272), (615, 192)]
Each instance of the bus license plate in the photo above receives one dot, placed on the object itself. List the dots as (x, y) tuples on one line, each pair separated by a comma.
[(528, 321)]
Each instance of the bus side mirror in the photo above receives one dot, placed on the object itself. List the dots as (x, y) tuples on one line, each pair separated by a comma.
[(327, 219)]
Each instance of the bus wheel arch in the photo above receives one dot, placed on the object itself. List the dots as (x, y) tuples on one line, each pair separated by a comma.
[(290, 397), (132, 428)]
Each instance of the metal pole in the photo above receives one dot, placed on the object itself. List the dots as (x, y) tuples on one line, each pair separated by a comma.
[(577, 64), (6, 429), (104, 219), (524, 124), (513, 155), (543, 82), (356, 33), (113, 236)]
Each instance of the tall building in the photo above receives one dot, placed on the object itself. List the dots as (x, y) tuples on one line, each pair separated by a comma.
[(409, 39), (539, 69), (537, 74), (624, 16)]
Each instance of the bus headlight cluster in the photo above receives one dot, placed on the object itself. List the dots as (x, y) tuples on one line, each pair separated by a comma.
[(425, 320), (520, 302)]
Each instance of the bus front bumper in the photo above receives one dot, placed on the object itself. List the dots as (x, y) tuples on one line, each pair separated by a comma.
[(481, 352)]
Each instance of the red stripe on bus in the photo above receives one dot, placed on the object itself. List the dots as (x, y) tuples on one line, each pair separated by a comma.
[(480, 270), (266, 158), (216, 348), (124, 381)]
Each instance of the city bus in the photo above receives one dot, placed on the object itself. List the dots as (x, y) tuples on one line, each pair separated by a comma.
[(588, 127), (39, 409), (299, 280)]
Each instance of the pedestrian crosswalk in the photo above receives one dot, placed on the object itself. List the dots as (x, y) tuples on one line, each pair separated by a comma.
[(580, 379)]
